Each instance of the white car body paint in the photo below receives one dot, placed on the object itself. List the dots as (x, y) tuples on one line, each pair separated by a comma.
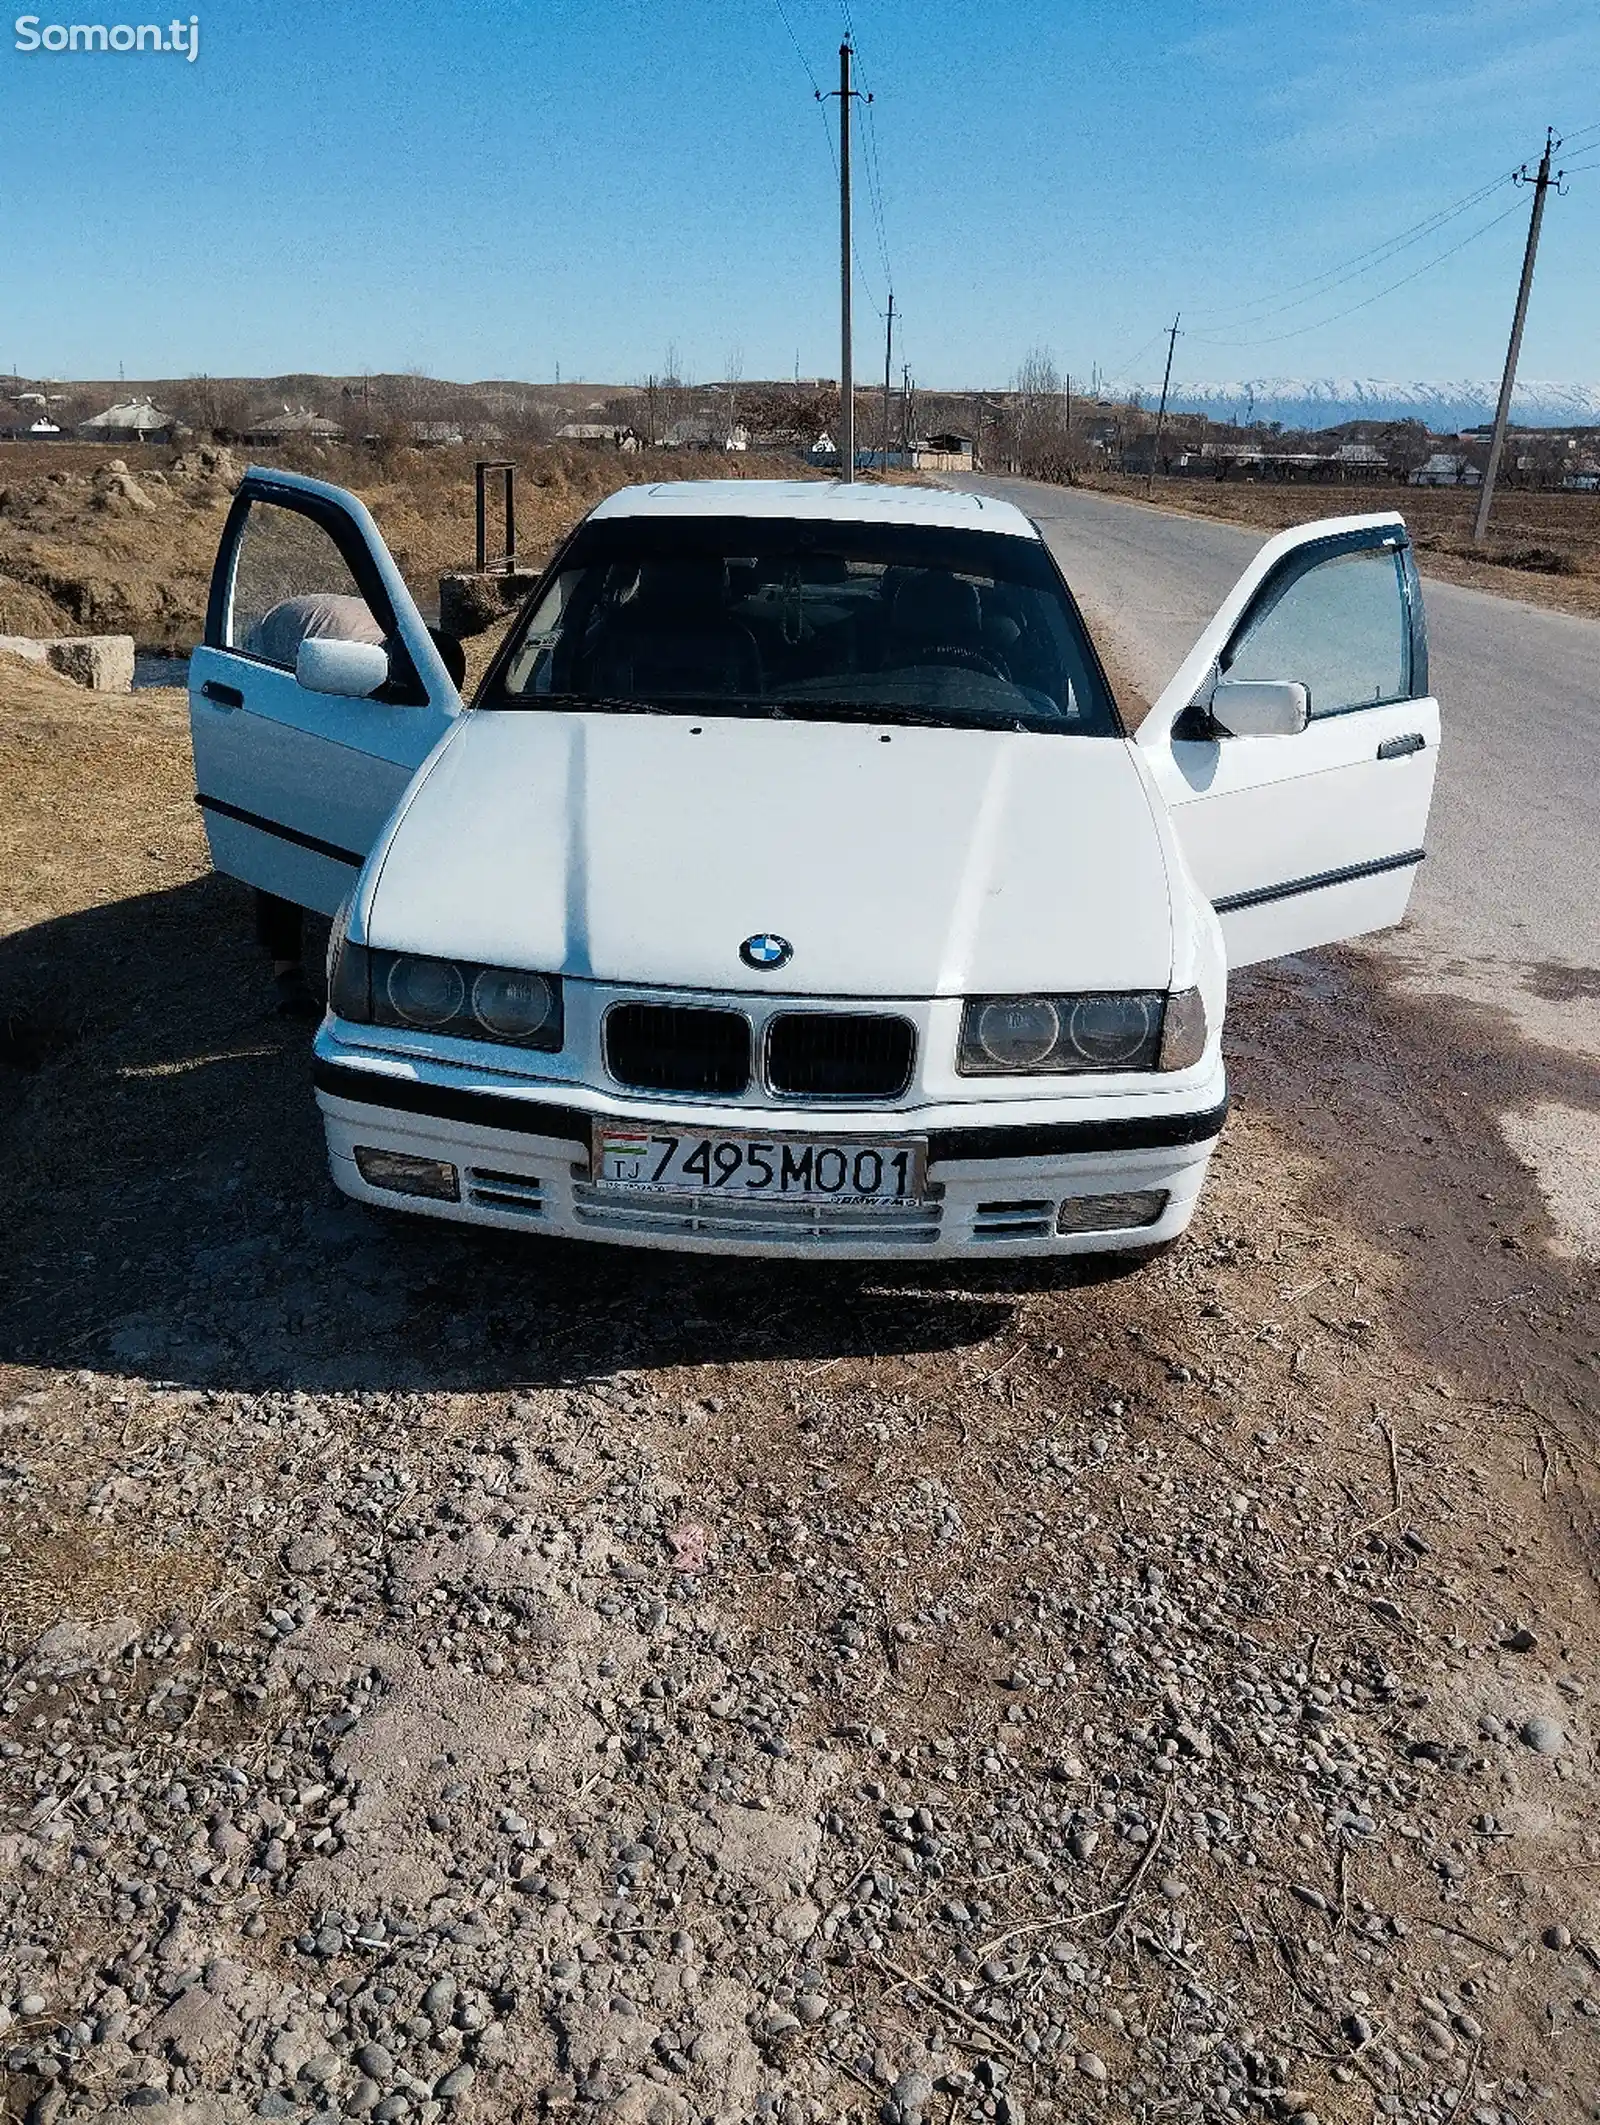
[(901, 862), (631, 853)]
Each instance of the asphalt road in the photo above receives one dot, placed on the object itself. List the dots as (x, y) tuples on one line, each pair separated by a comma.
[(1506, 913), (1509, 889)]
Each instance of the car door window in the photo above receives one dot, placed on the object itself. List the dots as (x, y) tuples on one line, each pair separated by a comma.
[(291, 584), (1341, 627)]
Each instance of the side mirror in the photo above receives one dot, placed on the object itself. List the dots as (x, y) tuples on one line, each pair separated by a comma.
[(1260, 708), (326, 665)]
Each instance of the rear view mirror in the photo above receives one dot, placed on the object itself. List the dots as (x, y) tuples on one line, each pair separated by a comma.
[(1260, 708), (328, 666)]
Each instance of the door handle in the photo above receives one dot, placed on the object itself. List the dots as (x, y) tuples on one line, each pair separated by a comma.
[(1397, 748), (224, 696)]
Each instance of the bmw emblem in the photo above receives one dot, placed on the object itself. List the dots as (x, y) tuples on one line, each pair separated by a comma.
[(765, 952)]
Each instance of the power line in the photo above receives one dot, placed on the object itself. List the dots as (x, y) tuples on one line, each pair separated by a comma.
[(874, 165), (1272, 339), (1367, 261), (816, 85), (1127, 361), (875, 190), (819, 98)]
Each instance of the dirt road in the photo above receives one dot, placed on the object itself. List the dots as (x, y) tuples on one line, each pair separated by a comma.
[(446, 1678)]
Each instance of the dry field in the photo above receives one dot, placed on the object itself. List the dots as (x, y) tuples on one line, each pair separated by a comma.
[(1542, 548), (79, 556), (449, 1679)]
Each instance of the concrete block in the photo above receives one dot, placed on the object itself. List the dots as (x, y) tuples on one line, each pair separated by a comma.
[(102, 663)]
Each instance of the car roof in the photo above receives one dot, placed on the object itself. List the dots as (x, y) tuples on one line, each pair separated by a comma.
[(819, 501)]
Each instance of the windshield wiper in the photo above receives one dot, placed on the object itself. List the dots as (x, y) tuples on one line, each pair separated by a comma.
[(607, 704), (903, 712), (858, 712)]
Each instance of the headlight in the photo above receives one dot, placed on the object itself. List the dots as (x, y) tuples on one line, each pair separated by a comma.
[(1006, 1036), (426, 995), (512, 1006), (1019, 1033)]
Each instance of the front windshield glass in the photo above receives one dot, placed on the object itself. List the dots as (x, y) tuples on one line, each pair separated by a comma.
[(754, 616)]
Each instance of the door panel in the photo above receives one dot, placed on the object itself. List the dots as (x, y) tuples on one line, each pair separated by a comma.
[(1302, 840), (296, 786)]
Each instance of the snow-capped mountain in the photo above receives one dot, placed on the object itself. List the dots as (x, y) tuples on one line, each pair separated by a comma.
[(1324, 401)]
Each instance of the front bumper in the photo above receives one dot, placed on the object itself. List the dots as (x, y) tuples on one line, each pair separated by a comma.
[(998, 1173)]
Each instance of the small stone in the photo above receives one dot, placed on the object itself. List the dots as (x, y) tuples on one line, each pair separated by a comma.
[(1544, 1735), (1556, 1937), (377, 2060), (455, 2083), (1081, 1844), (779, 2023), (1520, 1640), (1092, 2066), (911, 2092), (321, 2070), (439, 1999), (33, 2003), (811, 2008)]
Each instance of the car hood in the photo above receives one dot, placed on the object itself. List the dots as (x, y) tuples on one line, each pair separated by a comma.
[(896, 861)]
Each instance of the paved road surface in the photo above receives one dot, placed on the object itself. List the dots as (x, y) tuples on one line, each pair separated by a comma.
[(1507, 908), (1514, 843)]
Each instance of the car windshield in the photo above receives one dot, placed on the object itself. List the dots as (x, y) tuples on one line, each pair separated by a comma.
[(851, 622)]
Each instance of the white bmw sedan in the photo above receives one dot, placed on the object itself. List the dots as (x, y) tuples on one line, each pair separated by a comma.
[(792, 885)]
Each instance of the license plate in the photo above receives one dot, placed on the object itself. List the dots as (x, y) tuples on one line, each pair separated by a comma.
[(760, 1168)]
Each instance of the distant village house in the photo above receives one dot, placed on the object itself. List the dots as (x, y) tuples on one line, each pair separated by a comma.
[(134, 420), (294, 424), (600, 435)]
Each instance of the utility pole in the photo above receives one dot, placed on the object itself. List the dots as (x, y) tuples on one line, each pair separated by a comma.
[(1161, 417), (1502, 412), (847, 376), (888, 357)]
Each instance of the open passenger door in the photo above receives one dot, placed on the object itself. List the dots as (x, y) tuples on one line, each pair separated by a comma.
[(316, 695), (1297, 743)]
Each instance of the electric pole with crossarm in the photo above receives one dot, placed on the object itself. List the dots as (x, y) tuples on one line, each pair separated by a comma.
[(847, 376), (888, 357), (1502, 412), (1161, 417)]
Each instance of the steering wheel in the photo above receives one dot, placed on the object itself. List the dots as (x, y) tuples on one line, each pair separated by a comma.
[(964, 659)]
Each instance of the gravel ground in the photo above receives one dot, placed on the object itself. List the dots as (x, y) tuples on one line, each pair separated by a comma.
[(451, 1679)]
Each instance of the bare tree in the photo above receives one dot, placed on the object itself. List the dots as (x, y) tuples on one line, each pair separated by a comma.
[(1037, 441)]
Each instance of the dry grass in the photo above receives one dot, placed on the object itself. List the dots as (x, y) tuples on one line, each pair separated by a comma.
[(76, 559), (96, 795), (1542, 548)]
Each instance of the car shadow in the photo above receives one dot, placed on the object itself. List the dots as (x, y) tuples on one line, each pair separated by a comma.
[(170, 1213)]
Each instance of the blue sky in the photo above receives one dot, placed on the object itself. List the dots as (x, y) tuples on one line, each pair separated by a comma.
[(495, 186)]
